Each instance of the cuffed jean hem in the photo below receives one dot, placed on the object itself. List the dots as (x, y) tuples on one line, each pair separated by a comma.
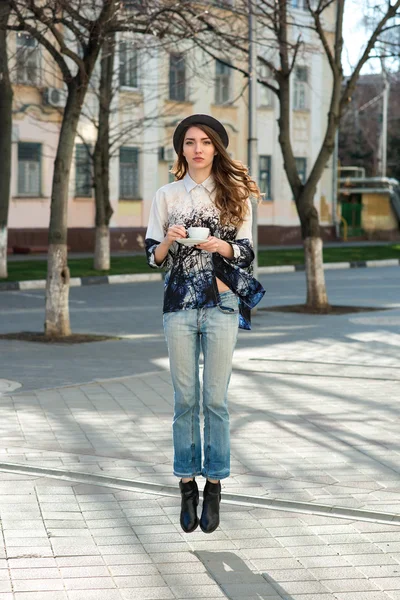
[(187, 475), (220, 475)]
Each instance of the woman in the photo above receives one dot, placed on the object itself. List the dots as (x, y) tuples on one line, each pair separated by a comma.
[(208, 293)]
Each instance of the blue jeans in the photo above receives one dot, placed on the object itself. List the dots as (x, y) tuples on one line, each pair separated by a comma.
[(215, 330)]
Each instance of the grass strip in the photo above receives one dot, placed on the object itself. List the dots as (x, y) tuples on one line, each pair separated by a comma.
[(121, 265)]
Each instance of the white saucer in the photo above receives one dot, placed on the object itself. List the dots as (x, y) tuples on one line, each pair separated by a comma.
[(190, 241)]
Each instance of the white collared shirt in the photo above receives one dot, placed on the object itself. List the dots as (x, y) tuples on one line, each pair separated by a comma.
[(190, 280), (191, 204)]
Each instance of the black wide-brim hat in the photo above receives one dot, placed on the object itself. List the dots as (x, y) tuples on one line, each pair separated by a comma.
[(194, 120)]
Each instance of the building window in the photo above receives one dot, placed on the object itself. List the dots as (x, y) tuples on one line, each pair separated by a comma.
[(128, 65), (129, 173), (264, 176), (29, 176), (177, 77), (300, 97), (302, 4), (222, 83), (27, 60), (301, 166), (83, 171), (264, 93)]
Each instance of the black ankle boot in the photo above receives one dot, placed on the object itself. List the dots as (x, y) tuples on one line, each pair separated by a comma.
[(190, 500), (210, 514)]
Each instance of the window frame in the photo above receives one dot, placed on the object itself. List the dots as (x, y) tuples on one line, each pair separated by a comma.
[(267, 193), (89, 172), (36, 193), (27, 55), (175, 72), (136, 191), (124, 66), (223, 82), (301, 88), (301, 171), (261, 89)]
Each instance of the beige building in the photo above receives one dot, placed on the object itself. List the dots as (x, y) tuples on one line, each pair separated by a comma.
[(154, 91)]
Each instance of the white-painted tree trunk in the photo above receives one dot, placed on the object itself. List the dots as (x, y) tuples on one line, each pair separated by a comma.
[(3, 253), (315, 276), (57, 292), (102, 248)]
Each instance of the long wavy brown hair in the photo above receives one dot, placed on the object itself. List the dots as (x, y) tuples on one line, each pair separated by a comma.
[(232, 180)]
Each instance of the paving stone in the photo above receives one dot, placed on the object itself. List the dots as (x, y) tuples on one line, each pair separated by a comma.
[(88, 583), (348, 585), (5, 586), (387, 583), (73, 547), (79, 561), (194, 579), (282, 575), (94, 595), (371, 559), (303, 587), (200, 591), (33, 585), (159, 593), (361, 596), (126, 559), (35, 573), (88, 571), (42, 595), (336, 573), (135, 570)]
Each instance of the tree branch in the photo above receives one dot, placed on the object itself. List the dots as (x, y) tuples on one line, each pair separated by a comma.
[(25, 26)]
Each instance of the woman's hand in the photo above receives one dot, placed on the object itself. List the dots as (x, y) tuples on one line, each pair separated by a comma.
[(212, 244), (175, 232)]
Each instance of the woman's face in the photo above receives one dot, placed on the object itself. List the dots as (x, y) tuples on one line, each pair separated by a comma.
[(198, 149)]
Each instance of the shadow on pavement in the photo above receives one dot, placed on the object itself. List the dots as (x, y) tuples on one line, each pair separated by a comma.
[(237, 580)]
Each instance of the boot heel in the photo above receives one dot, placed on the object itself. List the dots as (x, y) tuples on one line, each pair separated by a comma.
[(189, 502), (209, 520)]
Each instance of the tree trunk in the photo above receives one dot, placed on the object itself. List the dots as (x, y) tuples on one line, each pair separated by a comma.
[(6, 96), (57, 292), (57, 286), (314, 263), (303, 193), (315, 275), (102, 248), (102, 159)]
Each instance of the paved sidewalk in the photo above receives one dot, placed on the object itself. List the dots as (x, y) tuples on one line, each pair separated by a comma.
[(315, 424)]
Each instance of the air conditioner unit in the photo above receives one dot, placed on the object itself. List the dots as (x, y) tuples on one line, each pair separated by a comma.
[(166, 154), (55, 97), (169, 155)]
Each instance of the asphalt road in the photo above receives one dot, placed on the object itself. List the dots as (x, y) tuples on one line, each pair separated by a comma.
[(135, 311)]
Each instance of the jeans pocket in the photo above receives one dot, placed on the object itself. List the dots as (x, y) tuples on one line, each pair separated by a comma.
[(229, 305)]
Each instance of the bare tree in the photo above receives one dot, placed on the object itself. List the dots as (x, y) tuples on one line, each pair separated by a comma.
[(6, 96), (73, 32), (118, 124), (101, 158), (227, 36)]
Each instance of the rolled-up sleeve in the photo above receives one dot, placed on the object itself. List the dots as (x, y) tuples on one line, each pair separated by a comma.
[(243, 254), (156, 229)]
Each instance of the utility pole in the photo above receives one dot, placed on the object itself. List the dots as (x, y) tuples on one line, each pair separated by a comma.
[(252, 150), (385, 106)]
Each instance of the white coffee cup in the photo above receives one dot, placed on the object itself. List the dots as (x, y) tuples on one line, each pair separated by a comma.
[(198, 233)]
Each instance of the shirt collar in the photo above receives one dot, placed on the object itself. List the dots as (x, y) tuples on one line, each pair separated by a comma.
[(208, 184)]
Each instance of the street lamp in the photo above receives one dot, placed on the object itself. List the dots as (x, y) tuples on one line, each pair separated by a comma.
[(252, 150)]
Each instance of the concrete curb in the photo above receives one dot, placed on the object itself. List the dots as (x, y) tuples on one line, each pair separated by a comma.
[(159, 489), (40, 284)]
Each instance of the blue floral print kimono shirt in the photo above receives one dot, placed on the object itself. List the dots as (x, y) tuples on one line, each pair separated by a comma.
[(190, 280)]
